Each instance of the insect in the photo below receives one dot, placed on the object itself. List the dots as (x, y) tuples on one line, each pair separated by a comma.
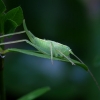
[(48, 47)]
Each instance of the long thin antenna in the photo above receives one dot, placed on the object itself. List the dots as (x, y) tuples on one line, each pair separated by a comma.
[(97, 84), (94, 79)]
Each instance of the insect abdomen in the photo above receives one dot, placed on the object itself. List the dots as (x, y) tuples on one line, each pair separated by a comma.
[(45, 47)]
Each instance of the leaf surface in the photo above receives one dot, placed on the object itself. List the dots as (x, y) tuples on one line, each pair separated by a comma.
[(38, 54), (2, 6), (34, 94)]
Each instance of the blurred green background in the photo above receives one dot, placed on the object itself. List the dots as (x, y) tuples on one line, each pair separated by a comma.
[(75, 23)]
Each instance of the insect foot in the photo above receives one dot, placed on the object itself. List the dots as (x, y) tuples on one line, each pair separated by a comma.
[(73, 63), (2, 56)]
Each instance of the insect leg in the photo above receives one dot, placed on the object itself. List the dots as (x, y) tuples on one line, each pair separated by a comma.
[(66, 57), (63, 55), (12, 34), (24, 40), (18, 41), (51, 53), (2, 56), (12, 42), (29, 34), (75, 56)]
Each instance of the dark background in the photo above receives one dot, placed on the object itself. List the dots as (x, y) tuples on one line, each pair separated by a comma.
[(75, 23)]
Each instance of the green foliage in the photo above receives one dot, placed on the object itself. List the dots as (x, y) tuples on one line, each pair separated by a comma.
[(38, 54), (2, 15), (2, 6), (10, 26), (15, 14), (1, 21), (35, 94), (8, 23), (11, 20)]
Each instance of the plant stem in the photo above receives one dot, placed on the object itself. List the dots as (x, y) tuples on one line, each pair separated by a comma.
[(2, 89)]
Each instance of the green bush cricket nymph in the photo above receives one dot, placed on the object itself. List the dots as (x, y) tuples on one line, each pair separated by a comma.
[(47, 47)]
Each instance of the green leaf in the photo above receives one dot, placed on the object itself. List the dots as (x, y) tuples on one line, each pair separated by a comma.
[(2, 17), (11, 20), (38, 54), (2, 6), (35, 94), (1, 50), (16, 14), (10, 26)]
